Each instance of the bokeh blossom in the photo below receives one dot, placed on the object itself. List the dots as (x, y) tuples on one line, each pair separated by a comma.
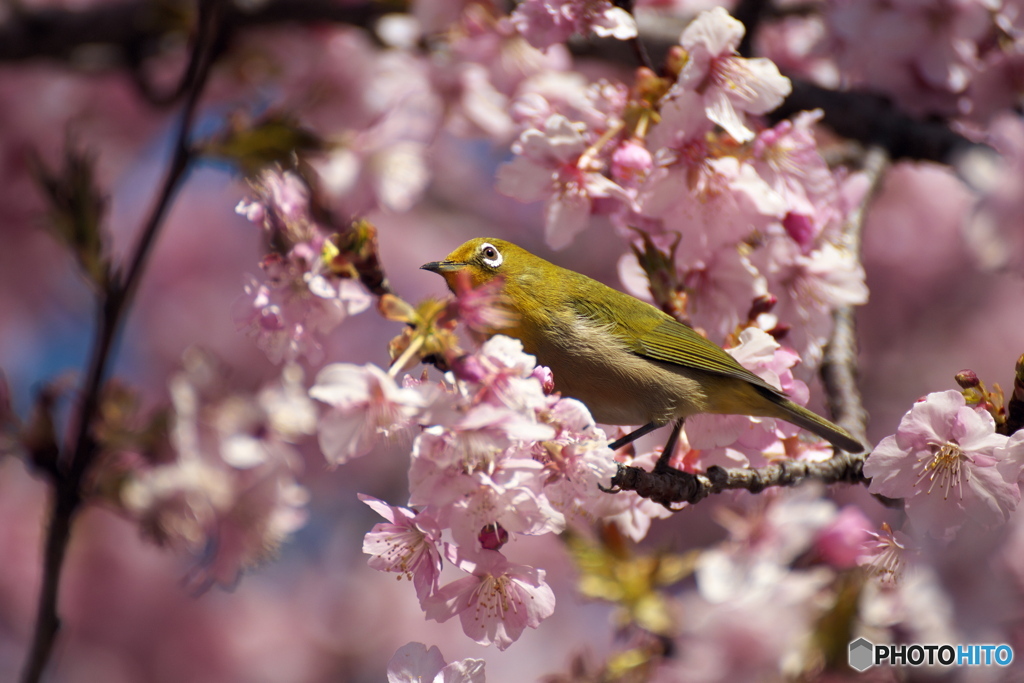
[(366, 405), (414, 663), (230, 495), (548, 22)]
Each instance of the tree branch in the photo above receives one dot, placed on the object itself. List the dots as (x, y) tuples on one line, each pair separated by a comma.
[(671, 487), (839, 365), (133, 31), (70, 473)]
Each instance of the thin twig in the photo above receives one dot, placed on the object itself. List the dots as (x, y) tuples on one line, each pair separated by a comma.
[(67, 496), (839, 365)]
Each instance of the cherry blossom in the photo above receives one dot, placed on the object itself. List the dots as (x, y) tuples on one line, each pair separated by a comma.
[(729, 85), (298, 299), (414, 663), (547, 22), (496, 602), (923, 54), (738, 440), (787, 157), (950, 465), (230, 495), (714, 203), (407, 544), (841, 543), (365, 406), (885, 555), (554, 164), (809, 287)]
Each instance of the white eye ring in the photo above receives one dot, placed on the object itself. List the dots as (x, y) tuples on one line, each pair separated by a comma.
[(490, 255)]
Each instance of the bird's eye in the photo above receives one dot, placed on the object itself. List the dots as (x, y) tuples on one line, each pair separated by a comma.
[(490, 255)]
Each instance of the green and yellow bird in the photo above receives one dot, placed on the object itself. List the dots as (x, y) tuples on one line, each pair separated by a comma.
[(629, 362)]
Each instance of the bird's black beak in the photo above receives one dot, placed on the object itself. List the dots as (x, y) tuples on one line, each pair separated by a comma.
[(442, 266)]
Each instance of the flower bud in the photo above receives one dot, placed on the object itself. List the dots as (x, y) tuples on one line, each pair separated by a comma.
[(493, 537), (631, 162), (967, 379)]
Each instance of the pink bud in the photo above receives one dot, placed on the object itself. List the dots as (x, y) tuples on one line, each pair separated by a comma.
[(631, 162), (762, 304), (841, 542), (492, 537), (801, 229), (546, 378), (468, 368), (967, 379)]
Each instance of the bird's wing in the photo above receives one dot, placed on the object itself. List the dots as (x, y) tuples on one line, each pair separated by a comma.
[(652, 334)]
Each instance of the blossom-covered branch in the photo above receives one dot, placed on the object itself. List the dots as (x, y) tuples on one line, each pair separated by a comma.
[(132, 35)]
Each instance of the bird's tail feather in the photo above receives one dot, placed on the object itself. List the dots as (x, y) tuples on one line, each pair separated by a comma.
[(833, 433)]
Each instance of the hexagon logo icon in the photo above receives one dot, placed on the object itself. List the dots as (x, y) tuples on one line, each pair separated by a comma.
[(862, 654)]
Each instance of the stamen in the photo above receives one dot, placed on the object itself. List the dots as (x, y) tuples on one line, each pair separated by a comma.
[(945, 468)]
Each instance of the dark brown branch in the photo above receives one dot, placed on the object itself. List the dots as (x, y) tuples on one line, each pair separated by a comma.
[(71, 472), (839, 365), (750, 13), (672, 487), (875, 121), (131, 31)]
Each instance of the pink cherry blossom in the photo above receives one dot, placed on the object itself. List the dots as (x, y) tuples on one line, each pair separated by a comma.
[(407, 544), (885, 555), (230, 494), (949, 464), (554, 165), (738, 440), (841, 542), (750, 636), (365, 406), (414, 663), (547, 22), (923, 54), (993, 231), (787, 157), (714, 203), (298, 300), (728, 84), (631, 162), (507, 500), (496, 602), (762, 543), (809, 287), (385, 162), (483, 309)]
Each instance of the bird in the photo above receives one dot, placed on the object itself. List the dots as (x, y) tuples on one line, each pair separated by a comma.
[(629, 362)]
